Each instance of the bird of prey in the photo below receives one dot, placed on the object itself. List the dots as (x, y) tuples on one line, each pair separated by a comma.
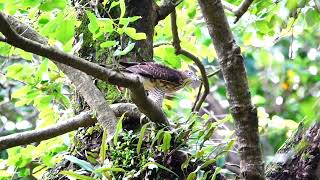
[(158, 79)]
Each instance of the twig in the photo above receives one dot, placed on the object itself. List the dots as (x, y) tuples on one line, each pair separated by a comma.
[(196, 60), (213, 73), (84, 119), (162, 44), (127, 80), (238, 12), (200, 88), (167, 7), (242, 9), (198, 96), (228, 6)]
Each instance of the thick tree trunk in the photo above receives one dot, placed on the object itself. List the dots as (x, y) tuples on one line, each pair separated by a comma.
[(234, 73), (147, 10)]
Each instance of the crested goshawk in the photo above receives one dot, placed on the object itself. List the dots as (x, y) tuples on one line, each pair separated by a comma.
[(158, 79)]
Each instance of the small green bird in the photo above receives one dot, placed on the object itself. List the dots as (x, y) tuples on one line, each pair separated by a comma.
[(158, 79)]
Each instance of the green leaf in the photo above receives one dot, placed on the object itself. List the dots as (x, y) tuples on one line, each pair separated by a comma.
[(125, 21), (142, 132), (312, 17), (122, 8), (131, 32), (185, 164), (114, 4), (207, 163), (24, 172), (107, 44), (125, 51), (292, 4), (64, 99), (192, 176), (42, 101), (83, 164), (49, 5), (31, 3), (216, 172), (114, 169), (21, 72), (103, 148), (93, 25), (160, 166), (159, 134), (43, 68), (21, 92), (166, 141), (118, 129), (106, 25), (65, 32), (50, 28), (76, 175), (171, 58), (262, 26)]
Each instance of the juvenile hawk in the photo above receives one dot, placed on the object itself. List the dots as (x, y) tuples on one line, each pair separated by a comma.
[(158, 79)]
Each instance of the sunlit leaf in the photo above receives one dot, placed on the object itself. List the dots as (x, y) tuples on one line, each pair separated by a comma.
[(76, 175), (114, 169), (118, 129), (103, 147), (141, 136), (166, 141), (107, 44), (93, 25), (49, 5), (125, 51)]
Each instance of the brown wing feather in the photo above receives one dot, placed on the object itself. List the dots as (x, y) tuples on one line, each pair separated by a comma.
[(157, 71)]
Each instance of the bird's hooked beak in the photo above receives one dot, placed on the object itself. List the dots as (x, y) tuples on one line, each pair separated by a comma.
[(192, 80), (196, 82)]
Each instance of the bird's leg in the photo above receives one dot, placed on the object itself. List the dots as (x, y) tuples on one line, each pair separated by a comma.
[(157, 96)]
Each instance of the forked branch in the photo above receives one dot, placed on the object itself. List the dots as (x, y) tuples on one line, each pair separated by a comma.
[(195, 59)]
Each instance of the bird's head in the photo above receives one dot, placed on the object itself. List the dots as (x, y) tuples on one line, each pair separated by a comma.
[(191, 79)]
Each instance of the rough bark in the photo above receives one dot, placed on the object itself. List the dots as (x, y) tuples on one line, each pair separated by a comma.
[(147, 10), (234, 73), (299, 157)]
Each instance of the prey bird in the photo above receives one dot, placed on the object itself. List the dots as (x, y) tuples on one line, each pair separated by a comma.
[(159, 80)]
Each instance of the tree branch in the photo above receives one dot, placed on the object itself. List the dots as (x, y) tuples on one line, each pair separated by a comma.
[(233, 70), (90, 92), (196, 60), (244, 6), (167, 7), (84, 119), (238, 11), (228, 6), (127, 80)]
